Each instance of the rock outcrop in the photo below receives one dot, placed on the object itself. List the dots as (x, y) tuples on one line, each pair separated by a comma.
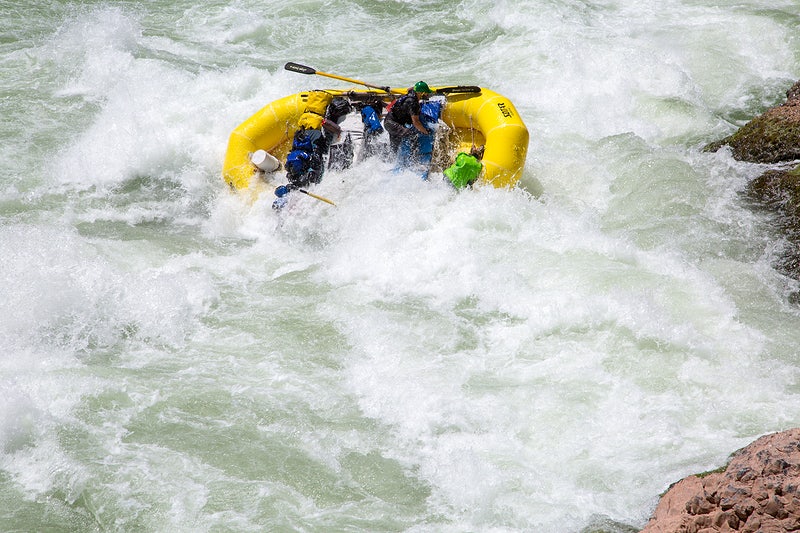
[(779, 191), (759, 491), (772, 138)]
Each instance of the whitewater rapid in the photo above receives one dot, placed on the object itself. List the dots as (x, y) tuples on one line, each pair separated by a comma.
[(548, 358)]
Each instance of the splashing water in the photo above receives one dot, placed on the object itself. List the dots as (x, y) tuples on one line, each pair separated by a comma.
[(547, 358)]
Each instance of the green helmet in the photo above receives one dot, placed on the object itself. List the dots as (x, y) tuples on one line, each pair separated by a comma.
[(422, 87)]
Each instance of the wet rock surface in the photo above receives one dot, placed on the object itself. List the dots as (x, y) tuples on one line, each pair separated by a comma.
[(774, 138), (759, 491)]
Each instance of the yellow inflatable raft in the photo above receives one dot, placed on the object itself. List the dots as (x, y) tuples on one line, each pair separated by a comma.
[(473, 115)]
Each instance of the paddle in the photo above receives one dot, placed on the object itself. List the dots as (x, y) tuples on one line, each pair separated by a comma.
[(302, 69), (458, 89), (312, 195)]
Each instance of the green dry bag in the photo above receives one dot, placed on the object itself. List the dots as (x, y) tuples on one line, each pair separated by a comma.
[(464, 171)]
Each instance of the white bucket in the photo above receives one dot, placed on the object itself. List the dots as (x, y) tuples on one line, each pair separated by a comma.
[(265, 161)]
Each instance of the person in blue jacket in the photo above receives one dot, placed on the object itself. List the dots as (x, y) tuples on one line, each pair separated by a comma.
[(304, 163)]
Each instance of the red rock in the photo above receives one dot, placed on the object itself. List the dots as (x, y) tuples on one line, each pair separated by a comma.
[(756, 493)]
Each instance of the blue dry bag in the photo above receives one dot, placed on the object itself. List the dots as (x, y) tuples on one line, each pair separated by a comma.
[(297, 162), (429, 113), (303, 141), (370, 119), (429, 116)]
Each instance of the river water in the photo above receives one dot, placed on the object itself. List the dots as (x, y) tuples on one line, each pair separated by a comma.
[(548, 358)]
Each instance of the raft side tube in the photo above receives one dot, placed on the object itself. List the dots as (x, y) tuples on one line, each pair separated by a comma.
[(500, 124), (266, 130)]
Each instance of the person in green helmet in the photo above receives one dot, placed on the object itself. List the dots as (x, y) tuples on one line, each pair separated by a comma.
[(402, 118), (466, 168), (421, 87)]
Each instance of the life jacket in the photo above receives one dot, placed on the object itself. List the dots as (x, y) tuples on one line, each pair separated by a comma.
[(400, 110), (464, 171)]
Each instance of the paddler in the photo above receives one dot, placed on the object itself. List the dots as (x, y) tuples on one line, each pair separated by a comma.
[(402, 118)]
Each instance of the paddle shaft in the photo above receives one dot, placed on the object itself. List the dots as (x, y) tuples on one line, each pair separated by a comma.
[(320, 198), (302, 69)]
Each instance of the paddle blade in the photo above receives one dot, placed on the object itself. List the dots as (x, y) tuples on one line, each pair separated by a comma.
[(302, 69), (459, 89)]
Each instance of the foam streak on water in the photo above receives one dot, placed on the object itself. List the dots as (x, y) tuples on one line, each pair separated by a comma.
[(548, 358)]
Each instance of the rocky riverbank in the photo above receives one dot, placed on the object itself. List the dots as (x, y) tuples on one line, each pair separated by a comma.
[(758, 491)]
